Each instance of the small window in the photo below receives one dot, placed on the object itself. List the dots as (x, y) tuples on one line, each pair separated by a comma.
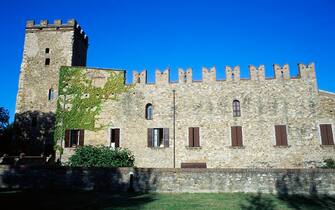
[(326, 134), (193, 137), (236, 136), (51, 94), (115, 138), (281, 135), (148, 111), (47, 61), (47, 50), (236, 108), (74, 138), (158, 137)]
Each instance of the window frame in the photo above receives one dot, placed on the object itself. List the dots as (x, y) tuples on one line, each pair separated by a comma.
[(162, 133), (236, 108), (69, 141), (109, 140), (193, 139), (147, 115), (320, 135), (275, 136), (47, 62), (51, 94), (231, 137)]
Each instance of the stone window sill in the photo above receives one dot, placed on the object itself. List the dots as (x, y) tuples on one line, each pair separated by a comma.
[(193, 148), (237, 147), (157, 148), (281, 146), (327, 146)]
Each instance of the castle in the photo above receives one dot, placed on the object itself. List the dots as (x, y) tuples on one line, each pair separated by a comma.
[(280, 122)]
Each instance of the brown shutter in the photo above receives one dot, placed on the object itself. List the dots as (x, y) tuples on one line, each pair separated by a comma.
[(234, 136), (196, 137), (150, 137), (239, 136), (190, 137), (166, 137), (284, 135), (81, 137), (330, 135), (117, 137), (324, 135), (278, 135), (67, 138)]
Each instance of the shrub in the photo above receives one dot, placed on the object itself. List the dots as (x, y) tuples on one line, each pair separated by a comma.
[(329, 163), (101, 156)]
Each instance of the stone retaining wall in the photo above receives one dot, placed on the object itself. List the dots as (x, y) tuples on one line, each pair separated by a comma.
[(277, 181)]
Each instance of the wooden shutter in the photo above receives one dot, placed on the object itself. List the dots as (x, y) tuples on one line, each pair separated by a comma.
[(281, 135), (117, 137), (190, 137), (234, 136), (193, 165), (67, 138), (196, 137), (81, 137), (239, 136), (150, 137), (166, 137), (326, 134), (330, 135)]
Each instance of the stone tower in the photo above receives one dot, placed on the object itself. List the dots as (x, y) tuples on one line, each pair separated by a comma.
[(47, 47)]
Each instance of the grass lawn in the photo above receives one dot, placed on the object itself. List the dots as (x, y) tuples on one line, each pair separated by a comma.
[(11, 199)]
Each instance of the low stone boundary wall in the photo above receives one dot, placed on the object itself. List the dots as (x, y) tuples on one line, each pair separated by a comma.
[(277, 181)]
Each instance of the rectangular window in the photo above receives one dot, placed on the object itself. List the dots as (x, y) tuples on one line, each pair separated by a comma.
[(158, 137), (326, 134), (193, 137), (115, 138), (74, 138), (47, 61), (281, 135), (236, 136)]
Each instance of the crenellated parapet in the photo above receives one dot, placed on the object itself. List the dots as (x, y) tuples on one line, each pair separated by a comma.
[(306, 72), (281, 73), (185, 76), (233, 74), (209, 75), (57, 25), (140, 78), (257, 73)]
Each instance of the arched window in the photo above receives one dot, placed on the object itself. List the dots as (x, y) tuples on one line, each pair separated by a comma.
[(51, 94), (236, 108), (148, 111)]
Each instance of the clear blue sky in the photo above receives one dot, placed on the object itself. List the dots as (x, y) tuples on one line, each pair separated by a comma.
[(156, 34)]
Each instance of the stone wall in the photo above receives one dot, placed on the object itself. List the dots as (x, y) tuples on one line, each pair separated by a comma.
[(276, 181), (265, 102)]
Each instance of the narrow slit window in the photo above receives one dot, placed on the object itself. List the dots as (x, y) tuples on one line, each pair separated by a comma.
[(47, 61), (236, 108), (148, 111), (47, 50), (51, 94)]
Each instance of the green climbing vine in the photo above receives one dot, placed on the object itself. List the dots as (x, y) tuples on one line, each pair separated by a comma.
[(79, 101)]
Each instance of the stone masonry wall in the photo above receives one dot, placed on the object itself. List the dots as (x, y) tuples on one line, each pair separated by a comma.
[(276, 181), (265, 102)]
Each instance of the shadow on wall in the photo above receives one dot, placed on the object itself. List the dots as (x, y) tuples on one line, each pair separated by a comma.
[(258, 201), (34, 133)]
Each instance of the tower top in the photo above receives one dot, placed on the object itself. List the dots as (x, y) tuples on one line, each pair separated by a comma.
[(44, 25)]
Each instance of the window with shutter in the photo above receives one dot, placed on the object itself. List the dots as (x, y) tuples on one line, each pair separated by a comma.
[(236, 136), (158, 137), (74, 138), (115, 138), (281, 135), (194, 137), (326, 134)]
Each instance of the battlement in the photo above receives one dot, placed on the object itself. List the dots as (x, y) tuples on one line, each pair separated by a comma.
[(281, 73), (56, 25)]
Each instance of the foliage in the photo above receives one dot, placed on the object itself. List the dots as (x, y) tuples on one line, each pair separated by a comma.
[(101, 156), (79, 101), (329, 163), (4, 118)]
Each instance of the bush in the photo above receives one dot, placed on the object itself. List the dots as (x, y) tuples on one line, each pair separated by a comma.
[(329, 163), (101, 156)]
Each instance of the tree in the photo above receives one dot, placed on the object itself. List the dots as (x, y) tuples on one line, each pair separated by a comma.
[(4, 119)]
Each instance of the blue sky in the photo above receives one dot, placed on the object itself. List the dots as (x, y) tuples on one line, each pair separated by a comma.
[(154, 34)]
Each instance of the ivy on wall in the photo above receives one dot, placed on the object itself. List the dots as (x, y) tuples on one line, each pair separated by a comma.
[(79, 101)]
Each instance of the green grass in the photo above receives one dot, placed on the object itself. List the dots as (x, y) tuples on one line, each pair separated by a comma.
[(108, 200)]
